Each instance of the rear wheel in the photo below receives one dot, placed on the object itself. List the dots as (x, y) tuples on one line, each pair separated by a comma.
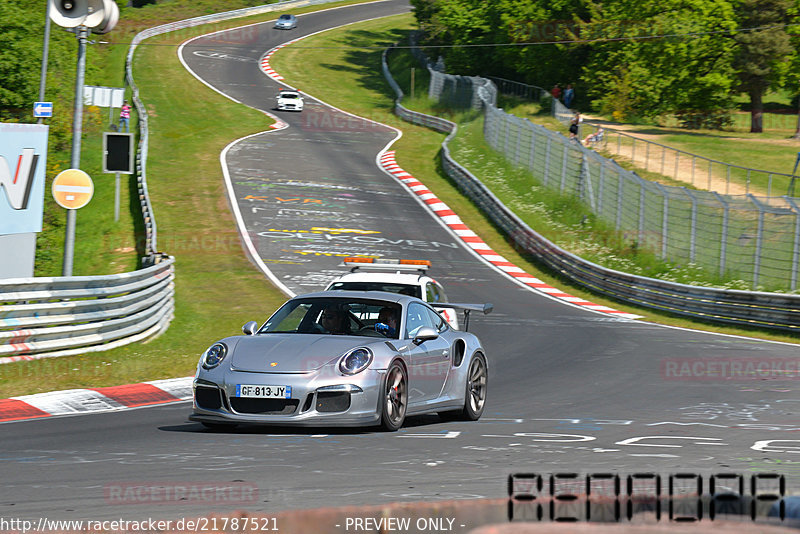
[(475, 395), (395, 398)]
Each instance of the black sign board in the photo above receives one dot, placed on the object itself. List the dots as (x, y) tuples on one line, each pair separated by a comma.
[(118, 152)]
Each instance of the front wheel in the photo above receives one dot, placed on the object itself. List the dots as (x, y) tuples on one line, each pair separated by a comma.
[(395, 398)]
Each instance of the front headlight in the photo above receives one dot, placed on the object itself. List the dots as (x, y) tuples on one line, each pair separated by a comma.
[(355, 361), (214, 355)]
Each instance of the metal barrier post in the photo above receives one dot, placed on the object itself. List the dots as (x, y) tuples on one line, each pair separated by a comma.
[(547, 160), (723, 245), (796, 245), (641, 213), (759, 240), (664, 221), (619, 201), (728, 180), (693, 231), (677, 157), (601, 187)]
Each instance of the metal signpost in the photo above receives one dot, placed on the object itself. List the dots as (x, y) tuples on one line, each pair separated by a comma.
[(72, 190), (118, 154), (794, 175), (81, 17)]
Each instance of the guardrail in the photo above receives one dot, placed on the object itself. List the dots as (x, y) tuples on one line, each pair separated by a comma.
[(750, 308), (62, 316)]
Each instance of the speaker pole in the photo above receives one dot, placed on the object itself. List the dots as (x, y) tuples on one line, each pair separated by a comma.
[(43, 80), (81, 33)]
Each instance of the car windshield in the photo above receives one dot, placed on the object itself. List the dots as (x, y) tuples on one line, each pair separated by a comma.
[(336, 316), (290, 95), (285, 17), (403, 289)]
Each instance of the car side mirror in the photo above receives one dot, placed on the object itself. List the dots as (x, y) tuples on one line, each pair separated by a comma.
[(426, 333), (250, 328)]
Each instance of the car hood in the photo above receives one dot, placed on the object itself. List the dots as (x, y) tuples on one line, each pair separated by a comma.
[(290, 353)]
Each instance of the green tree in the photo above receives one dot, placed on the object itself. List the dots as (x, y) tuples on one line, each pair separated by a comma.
[(508, 38), (21, 40), (759, 52), (791, 76), (654, 57)]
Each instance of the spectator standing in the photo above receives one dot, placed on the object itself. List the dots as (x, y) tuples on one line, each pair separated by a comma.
[(555, 92), (574, 125), (569, 95), (124, 116)]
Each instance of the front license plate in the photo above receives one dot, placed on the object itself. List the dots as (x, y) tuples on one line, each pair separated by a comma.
[(263, 392)]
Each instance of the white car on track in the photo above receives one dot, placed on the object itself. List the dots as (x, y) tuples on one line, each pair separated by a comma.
[(286, 22), (289, 101), (408, 277)]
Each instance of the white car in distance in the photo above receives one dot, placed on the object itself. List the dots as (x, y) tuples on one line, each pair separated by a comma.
[(289, 101), (408, 277)]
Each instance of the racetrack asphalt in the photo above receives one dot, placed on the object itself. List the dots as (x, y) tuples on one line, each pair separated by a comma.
[(571, 390)]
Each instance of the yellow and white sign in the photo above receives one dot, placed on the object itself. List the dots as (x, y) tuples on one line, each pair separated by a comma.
[(72, 189)]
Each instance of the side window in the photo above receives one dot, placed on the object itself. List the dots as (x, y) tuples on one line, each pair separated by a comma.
[(417, 317), (437, 320), (440, 290), (435, 292), (431, 295)]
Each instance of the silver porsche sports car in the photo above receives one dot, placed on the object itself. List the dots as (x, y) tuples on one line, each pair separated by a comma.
[(344, 358)]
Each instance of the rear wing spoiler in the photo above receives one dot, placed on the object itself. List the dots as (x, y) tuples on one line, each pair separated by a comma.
[(466, 308)]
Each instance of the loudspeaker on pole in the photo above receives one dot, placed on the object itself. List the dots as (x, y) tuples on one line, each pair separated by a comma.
[(69, 13), (98, 15), (103, 16)]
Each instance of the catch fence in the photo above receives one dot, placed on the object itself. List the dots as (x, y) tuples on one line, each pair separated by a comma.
[(748, 237)]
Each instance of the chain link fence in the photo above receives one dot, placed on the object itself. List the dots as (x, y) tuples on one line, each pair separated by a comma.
[(657, 157), (756, 239), (705, 172)]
